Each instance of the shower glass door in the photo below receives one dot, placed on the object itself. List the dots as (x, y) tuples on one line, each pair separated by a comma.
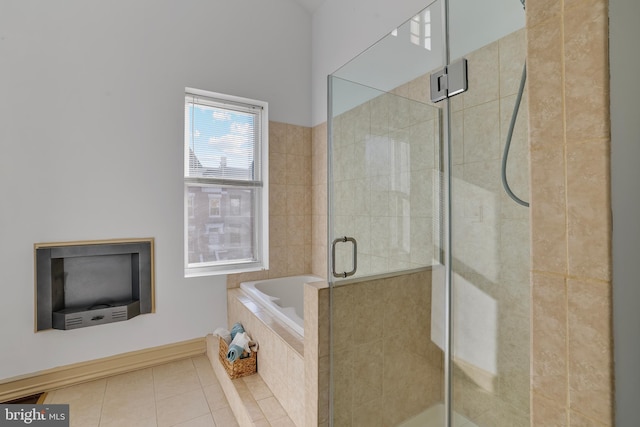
[(428, 254), (490, 264), (385, 228)]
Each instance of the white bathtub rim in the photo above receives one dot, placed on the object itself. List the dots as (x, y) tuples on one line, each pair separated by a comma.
[(292, 321)]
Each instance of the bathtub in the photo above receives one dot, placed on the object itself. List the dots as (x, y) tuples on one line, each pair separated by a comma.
[(282, 297)]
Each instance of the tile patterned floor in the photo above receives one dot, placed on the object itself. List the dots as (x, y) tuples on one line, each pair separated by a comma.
[(184, 393)]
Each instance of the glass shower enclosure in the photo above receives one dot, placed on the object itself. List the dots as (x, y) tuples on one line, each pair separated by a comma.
[(429, 262)]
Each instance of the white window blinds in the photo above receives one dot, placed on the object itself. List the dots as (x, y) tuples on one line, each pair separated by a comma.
[(225, 184), (223, 139)]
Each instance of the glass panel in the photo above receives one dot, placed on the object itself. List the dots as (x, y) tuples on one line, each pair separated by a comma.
[(220, 224), (385, 158), (490, 232), (385, 184)]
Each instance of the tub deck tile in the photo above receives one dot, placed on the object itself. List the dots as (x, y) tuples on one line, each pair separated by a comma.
[(250, 399)]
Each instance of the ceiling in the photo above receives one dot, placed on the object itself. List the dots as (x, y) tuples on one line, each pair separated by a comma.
[(310, 5)]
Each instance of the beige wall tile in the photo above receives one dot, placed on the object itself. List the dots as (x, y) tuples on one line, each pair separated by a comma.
[(342, 388), (484, 81), (420, 89), (482, 132), (367, 373), (277, 168), (515, 260), (307, 145), (343, 301), (361, 122), (296, 200), (366, 314), (295, 142), (504, 415), (277, 137), (590, 349), (548, 210), (544, 49), (295, 260), (278, 263), (319, 154), (589, 221), (319, 201), (380, 113), (277, 199), (457, 137), (323, 322), (545, 412), (569, 4), (542, 10), (298, 230), (369, 414), (323, 389), (297, 169), (549, 338), (587, 71), (278, 231), (577, 419), (513, 50), (520, 138)]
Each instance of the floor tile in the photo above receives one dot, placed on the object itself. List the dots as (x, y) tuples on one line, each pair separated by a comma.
[(204, 421), (181, 408), (224, 417), (215, 397), (185, 393), (175, 384)]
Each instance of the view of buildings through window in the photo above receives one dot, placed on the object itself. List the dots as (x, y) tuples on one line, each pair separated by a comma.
[(223, 182)]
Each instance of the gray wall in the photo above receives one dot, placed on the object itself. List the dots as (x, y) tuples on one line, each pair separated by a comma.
[(625, 182), (91, 134)]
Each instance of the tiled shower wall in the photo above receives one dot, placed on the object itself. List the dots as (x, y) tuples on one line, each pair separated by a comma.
[(386, 184), (289, 204), (386, 370), (492, 254), (572, 350), (491, 240), (319, 200)]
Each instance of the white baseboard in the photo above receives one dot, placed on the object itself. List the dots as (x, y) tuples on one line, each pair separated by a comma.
[(63, 376)]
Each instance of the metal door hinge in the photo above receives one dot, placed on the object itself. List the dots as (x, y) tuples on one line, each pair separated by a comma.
[(449, 81)]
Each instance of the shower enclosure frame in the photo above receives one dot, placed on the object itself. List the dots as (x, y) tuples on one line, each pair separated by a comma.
[(446, 225)]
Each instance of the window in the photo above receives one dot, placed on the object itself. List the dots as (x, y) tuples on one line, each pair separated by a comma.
[(225, 184), (214, 206), (234, 205)]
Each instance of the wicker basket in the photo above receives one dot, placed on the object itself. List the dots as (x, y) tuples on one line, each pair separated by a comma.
[(241, 367)]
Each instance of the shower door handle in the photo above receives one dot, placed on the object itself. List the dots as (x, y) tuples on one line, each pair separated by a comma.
[(344, 239)]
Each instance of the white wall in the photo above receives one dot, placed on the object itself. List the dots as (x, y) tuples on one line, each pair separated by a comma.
[(625, 199), (91, 128)]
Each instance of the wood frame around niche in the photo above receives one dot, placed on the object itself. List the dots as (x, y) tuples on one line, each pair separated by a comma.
[(36, 246)]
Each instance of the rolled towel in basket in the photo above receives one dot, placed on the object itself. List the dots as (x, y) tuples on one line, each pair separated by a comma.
[(239, 345), (224, 334), (234, 353), (236, 329)]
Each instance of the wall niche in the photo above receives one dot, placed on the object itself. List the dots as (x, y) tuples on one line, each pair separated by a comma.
[(80, 284)]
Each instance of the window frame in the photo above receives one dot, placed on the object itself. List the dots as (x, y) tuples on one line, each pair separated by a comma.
[(259, 185)]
